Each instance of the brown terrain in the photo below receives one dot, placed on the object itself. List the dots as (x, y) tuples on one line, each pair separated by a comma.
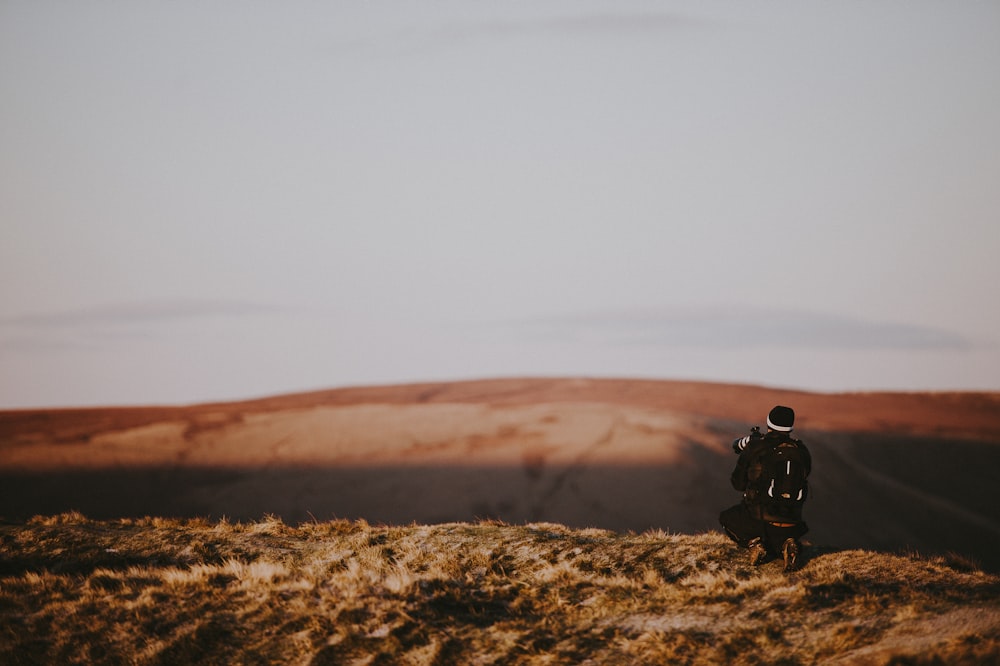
[(892, 471)]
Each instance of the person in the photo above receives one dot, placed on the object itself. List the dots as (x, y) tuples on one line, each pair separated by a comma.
[(772, 473)]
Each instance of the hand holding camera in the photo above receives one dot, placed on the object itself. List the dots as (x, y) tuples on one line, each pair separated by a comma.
[(741, 443)]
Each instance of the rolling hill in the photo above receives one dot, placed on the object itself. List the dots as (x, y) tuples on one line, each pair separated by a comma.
[(892, 471)]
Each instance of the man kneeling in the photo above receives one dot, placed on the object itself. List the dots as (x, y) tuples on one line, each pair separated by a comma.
[(772, 473)]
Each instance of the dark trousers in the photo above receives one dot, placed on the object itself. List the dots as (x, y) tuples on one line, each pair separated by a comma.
[(742, 527)]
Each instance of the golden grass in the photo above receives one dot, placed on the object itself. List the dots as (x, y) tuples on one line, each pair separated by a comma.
[(161, 591)]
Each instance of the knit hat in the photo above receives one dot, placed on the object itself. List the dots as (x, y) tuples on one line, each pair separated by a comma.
[(781, 419)]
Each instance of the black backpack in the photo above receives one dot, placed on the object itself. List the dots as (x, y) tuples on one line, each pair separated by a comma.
[(782, 488)]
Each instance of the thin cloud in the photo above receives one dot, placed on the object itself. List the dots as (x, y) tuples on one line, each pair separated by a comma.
[(605, 25), (113, 326), (137, 313), (734, 329)]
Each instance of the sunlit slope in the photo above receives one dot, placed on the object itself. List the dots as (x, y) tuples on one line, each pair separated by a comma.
[(892, 471)]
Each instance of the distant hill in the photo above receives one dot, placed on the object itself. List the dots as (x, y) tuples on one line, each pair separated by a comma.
[(158, 591), (893, 471)]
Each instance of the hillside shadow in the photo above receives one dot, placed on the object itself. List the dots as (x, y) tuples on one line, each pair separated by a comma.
[(906, 494), (621, 498), (680, 498)]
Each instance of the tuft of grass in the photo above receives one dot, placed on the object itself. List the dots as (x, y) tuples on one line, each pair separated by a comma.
[(163, 591)]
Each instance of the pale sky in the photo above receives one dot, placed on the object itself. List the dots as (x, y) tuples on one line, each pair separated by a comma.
[(222, 200)]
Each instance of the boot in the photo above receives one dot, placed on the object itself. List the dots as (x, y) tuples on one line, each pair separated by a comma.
[(757, 552), (790, 552)]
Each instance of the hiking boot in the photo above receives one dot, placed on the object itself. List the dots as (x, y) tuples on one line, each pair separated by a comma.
[(757, 552), (790, 552)]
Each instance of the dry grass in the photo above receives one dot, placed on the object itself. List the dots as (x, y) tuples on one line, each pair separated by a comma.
[(159, 591)]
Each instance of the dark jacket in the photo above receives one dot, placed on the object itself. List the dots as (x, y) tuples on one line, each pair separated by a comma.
[(748, 468)]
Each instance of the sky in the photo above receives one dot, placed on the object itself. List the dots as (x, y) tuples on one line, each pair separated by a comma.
[(217, 201)]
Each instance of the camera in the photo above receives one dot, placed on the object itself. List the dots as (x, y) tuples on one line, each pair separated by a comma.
[(741, 443)]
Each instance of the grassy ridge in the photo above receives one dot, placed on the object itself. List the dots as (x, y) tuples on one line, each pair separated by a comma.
[(158, 591)]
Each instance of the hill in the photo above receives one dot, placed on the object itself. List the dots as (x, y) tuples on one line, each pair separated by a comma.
[(157, 591), (893, 471)]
